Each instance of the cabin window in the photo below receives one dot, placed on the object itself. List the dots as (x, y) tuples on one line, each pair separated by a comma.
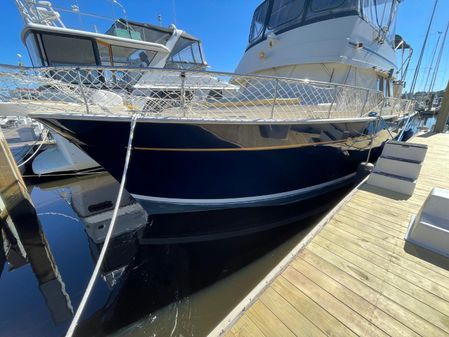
[(380, 83), (285, 11), (68, 50), (33, 50), (326, 8), (258, 24), (325, 5), (387, 92), (131, 57), (105, 54)]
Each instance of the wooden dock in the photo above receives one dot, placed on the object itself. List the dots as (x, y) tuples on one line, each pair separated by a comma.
[(355, 275)]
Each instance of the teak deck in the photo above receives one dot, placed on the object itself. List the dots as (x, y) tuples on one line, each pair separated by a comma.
[(357, 276)]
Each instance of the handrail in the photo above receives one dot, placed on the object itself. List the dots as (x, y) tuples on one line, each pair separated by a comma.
[(189, 94)]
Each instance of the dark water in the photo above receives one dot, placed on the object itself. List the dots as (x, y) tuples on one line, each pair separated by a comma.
[(143, 289)]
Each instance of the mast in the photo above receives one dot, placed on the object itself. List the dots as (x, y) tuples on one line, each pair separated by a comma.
[(418, 66), (433, 60), (440, 55)]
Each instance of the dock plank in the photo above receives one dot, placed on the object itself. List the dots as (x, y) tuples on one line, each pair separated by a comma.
[(358, 276), (317, 314), (293, 319), (350, 318), (267, 322), (246, 328)]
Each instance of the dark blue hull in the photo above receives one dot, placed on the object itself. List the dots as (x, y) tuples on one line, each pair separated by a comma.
[(192, 166)]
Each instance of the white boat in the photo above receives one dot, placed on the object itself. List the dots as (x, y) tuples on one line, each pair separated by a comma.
[(125, 44), (348, 42)]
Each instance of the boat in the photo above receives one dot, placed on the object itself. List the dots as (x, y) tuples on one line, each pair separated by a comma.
[(125, 44), (236, 140)]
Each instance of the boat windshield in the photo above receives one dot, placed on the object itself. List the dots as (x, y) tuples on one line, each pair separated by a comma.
[(140, 31), (121, 56), (278, 16), (186, 54)]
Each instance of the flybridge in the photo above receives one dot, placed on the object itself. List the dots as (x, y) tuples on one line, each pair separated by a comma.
[(278, 16), (51, 42)]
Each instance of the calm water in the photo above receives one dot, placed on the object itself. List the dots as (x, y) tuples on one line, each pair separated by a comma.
[(144, 289)]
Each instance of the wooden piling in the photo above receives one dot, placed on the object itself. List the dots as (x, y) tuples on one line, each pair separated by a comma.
[(12, 187), (443, 115)]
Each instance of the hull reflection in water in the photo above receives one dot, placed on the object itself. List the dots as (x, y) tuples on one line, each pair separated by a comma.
[(93, 200), (179, 287)]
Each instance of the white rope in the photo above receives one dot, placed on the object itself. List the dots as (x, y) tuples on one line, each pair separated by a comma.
[(35, 152), (93, 278)]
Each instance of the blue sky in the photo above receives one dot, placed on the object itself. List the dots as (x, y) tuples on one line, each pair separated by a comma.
[(223, 26)]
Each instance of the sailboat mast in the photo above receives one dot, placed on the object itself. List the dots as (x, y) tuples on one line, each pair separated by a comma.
[(418, 66), (440, 55), (432, 62)]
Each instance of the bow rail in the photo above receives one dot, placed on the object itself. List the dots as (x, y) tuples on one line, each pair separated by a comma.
[(180, 94)]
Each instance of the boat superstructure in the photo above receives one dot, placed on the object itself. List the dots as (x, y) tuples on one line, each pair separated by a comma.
[(340, 41)]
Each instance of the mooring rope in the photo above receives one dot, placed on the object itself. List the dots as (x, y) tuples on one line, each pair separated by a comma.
[(35, 152), (93, 278)]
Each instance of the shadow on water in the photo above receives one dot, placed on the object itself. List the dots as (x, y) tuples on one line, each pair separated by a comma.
[(146, 287)]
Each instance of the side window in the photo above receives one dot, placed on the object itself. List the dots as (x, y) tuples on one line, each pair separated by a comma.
[(68, 50), (125, 56), (323, 8), (324, 5), (33, 50), (105, 54), (141, 58), (285, 11), (258, 24), (387, 88), (380, 83)]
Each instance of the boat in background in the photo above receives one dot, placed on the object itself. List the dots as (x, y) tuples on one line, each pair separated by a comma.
[(125, 44), (348, 42)]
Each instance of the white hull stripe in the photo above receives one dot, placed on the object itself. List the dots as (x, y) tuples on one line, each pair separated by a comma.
[(243, 200)]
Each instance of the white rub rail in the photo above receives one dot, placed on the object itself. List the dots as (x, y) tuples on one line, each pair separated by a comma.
[(182, 94)]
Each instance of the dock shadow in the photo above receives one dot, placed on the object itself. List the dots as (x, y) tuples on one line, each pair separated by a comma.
[(427, 255), (383, 192)]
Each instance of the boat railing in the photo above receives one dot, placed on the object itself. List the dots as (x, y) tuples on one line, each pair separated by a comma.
[(179, 94)]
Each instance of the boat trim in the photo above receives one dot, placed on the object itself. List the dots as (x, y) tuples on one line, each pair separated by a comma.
[(187, 120), (67, 31), (243, 200), (234, 149)]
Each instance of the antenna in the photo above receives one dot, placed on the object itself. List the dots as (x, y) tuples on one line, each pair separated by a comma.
[(174, 11)]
